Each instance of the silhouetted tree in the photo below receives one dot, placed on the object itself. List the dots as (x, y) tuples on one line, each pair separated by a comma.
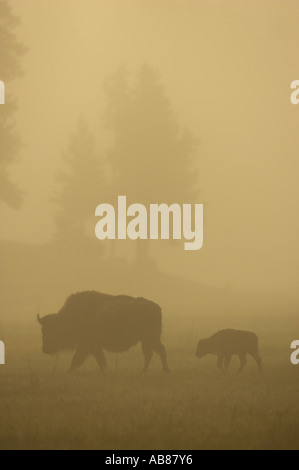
[(11, 52), (152, 159), (82, 187)]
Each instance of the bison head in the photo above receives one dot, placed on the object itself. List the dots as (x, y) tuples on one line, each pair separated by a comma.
[(202, 348), (50, 333)]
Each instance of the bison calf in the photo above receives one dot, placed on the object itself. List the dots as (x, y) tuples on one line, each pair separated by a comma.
[(91, 322), (226, 343)]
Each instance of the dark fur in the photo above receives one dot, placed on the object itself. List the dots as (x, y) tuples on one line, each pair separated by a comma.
[(91, 321), (226, 343)]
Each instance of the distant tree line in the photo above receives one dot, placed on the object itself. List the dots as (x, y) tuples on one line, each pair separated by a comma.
[(151, 159)]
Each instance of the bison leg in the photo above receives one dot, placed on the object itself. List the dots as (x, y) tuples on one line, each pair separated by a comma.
[(79, 357), (147, 353), (227, 362), (243, 362), (220, 361), (100, 358), (160, 349)]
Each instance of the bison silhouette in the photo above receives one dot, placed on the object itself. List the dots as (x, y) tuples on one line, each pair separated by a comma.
[(91, 322), (225, 343)]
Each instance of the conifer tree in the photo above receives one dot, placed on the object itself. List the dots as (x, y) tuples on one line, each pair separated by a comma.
[(10, 68)]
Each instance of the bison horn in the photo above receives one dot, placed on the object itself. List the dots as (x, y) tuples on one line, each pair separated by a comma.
[(39, 319)]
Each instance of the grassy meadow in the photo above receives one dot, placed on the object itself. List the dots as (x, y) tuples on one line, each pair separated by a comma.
[(194, 407)]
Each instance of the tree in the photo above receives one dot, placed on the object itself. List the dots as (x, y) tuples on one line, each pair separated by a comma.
[(81, 187), (152, 159), (11, 52)]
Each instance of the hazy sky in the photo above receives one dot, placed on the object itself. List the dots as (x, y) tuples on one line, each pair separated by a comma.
[(226, 67)]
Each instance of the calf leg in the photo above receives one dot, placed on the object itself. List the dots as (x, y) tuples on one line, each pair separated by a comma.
[(100, 358), (160, 349), (79, 358), (220, 359), (243, 362), (227, 362), (258, 360)]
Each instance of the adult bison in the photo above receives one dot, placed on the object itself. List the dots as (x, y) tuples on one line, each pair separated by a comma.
[(92, 321), (226, 343)]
